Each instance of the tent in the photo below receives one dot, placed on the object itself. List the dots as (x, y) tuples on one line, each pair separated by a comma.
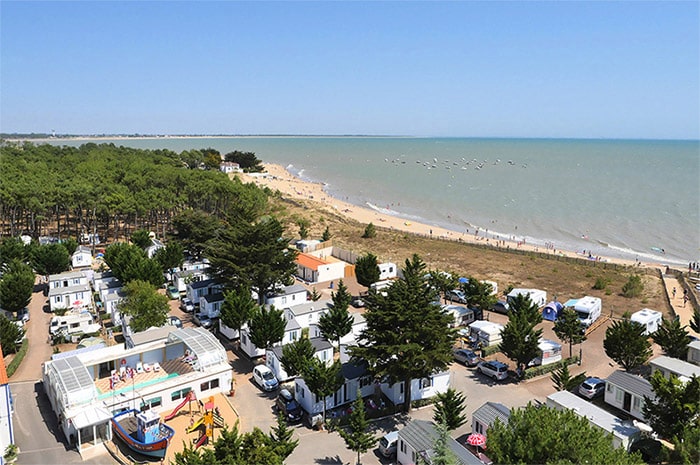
[(551, 311)]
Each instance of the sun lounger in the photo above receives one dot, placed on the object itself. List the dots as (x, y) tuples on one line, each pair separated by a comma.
[(147, 367), (156, 366), (139, 367)]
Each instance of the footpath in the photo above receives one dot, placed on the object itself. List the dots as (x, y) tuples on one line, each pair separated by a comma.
[(683, 309)]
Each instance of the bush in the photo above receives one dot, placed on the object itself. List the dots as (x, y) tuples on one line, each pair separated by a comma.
[(422, 402), (490, 350), (633, 287), (370, 231), (544, 369), (601, 283)]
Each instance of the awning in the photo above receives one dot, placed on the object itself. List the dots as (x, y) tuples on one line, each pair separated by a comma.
[(91, 416)]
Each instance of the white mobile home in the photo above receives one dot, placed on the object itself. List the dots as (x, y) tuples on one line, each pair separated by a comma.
[(588, 309), (694, 352), (417, 441), (650, 319), (314, 269), (423, 388), (486, 333), (82, 257), (485, 416), (210, 304), (624, 434), (537, 296), (288, 296), (626, 392), (667, 366), (387, 271), (323, 350), (71, 323), (550, 352)]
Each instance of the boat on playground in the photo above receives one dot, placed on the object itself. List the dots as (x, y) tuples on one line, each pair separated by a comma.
[(143, 432)]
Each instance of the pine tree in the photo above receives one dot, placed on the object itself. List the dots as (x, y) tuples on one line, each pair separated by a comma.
[(568, 328), (297, 355), (626, 343), (357, 438), (407, 335), (337, 322), (326, 235), (563, 381), (281, 437), (449, 409), (695, 321), (673, 338), (266, 327), (237, 308), (370, 231), (322, 380), (676, 405), (519, 336), (442, 455), (367, 270)]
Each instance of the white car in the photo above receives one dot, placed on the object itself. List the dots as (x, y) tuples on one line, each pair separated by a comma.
[(265, 378)]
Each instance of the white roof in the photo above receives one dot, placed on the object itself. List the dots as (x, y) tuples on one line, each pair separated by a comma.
[(73, 382), (594, 414), (205, 346), (644, 315), (679, 367)]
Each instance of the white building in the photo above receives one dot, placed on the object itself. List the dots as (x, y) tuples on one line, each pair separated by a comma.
[(537, 296), (485, 416), (210, 304), (649, 319), (83, 394), (694, 352), (230, 167), (316, 269), (667, 366), (423, 388), (198, 289), (69, 290), (273, 357), (82, 257), (626, 392), (417, 440), (387, 271), (287, 296)]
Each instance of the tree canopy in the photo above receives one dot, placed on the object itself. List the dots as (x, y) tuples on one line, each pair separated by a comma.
[(266, 326), (568, 328), (10, 333), (407, 335), (367, 269), (322, 379), (627, 344), (237, 308), (144, 305), (676, 406), (16, 286), (449, 409), (357, 437), (520, 339), (297, 355), (546, 435), (337, 322), (673, 338), (50, 259)]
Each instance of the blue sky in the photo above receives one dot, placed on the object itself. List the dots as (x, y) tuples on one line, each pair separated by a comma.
[(491, 69)]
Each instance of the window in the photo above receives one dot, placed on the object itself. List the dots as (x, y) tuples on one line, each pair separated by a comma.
[(479, 427), (177, 395), (211, 384), (324, 355), (57, 299), (637, 403), (284, 299), (293, 335), (609, 387), (365, 381), (403, 446), (618, 395), (151, 403), (426, 383)]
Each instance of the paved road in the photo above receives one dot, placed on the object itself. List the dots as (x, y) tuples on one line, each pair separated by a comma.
[(37, 334)]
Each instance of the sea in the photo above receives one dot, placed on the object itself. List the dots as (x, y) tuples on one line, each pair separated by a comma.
[(630, 199)]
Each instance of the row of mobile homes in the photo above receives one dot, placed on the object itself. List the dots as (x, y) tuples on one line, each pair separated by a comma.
[(624, 434), (537, 296), (649, 319), (626, 392), (485, 333)]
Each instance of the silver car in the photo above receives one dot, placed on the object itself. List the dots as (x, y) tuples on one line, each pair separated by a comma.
[(494, 369), (592, 388)]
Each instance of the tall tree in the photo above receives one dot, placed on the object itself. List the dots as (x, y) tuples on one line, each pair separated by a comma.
[(358, 438), (11, 248), (479, 293), (546, 435), (194, 229), (237, 308), (144, 305), (281, 438), (563, 381), (337, 322), (442, 454), (248, 162), (170, 257), (673, 338), (322, 379), (253, 256), (367, 270), (695, 321), (141, 238), (520, 339), (16, 286), (326, 235), (568, 328), (297, 355), (449, 409), (626, 343), (266, 326), (407, 336), (10, 333), (50, 259), (676, 406), (443, 281)]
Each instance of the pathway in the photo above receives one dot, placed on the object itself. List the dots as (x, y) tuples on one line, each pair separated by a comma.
[(37, 334), (683, 310)]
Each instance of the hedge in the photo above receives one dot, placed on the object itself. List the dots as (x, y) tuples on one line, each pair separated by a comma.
[(19, 356), (544, 369)]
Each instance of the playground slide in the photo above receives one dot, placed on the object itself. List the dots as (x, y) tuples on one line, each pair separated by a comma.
[(195, 425), (201, 441), (177, 409)]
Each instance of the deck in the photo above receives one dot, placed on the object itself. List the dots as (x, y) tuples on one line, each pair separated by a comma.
[(168, 368)]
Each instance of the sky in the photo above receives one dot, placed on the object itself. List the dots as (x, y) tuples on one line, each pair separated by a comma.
[(455, 69)]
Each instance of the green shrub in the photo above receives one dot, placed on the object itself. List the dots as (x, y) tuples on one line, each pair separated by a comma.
[(544, 369), (633, 287), (370, 231), (60, 311), (422, 402), (601, 283), (490, 350)]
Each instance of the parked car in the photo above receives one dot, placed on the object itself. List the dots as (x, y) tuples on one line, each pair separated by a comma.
[(265, 378), (186, 305), (202, 319), (493, 369), (175, 321), (592, 388), (501, 307), (387, 444), (173, 292), (23, 315), (288, 406), (466, 357), (357, 302), (456, 295)]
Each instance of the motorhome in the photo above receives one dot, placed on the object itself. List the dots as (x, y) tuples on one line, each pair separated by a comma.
[(588, 310), (71, 323), (650, 319)]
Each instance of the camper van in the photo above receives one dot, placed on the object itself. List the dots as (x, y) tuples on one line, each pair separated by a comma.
[(485, 333), (588, 310), (379, 286), (650, 319), (71, 323), (537, 296)]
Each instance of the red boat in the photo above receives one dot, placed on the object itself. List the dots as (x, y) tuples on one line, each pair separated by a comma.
[(143, 432)]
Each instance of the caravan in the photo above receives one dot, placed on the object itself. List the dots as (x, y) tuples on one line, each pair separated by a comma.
[(537, 296), (72, 323)]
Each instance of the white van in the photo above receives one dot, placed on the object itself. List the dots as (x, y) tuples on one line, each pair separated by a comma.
[(387, 444), (650, 319), (537, 296)]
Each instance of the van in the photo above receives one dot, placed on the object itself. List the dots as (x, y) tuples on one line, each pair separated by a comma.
[(387, 444), (70, 323), (588, 310)]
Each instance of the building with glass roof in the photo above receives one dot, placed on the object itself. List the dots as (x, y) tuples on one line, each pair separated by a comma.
[(86, 387)]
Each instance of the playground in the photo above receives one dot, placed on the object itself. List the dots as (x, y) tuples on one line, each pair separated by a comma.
[(198, 421)]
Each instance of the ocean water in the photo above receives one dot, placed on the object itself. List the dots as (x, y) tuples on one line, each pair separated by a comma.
[(615, 198)]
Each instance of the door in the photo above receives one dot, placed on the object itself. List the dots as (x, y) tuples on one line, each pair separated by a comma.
[(627, 402)]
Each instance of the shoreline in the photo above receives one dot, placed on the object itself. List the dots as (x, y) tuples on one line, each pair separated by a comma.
[(278, 178)]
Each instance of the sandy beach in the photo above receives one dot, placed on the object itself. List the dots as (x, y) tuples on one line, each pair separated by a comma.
[(277, 178)]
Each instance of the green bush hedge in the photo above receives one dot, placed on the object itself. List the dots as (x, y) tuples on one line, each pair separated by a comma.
[(541, 370), (490, 350), (19, 356)]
